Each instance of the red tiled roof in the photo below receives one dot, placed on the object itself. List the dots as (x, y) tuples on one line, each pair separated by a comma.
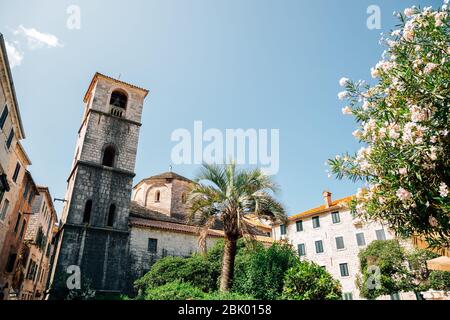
[(98, 74), (183, 228), (322, 209)]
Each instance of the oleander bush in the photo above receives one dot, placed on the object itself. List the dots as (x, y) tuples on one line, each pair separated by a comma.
[(403, 122)]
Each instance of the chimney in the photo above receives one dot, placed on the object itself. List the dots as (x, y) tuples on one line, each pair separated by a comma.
[(327, 197)]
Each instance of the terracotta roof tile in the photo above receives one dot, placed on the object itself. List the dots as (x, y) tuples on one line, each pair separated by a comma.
[(321, 209)]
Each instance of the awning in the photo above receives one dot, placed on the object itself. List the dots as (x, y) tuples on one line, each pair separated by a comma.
[(440, 263)]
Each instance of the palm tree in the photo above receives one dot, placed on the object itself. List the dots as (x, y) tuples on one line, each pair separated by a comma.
[(228, 194)]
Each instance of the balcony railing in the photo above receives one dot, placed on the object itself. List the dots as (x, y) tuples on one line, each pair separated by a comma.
[(116, 111)]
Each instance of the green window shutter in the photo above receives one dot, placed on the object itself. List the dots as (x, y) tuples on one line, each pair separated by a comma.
[(344, 269), (380, 234), (361, 241), (335, 217), (348, 296), (316, 222), (340, 243), (299, 225), (301, 249), (319, 246)]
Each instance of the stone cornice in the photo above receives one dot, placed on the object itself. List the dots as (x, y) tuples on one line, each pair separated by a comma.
[(99, 166), (107, 115), (86, 226)]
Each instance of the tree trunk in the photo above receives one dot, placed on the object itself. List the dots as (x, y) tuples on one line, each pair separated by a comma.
[(229, 254)]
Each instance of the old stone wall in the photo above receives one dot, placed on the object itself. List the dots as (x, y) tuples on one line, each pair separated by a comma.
[(169, 243), (104, 186)]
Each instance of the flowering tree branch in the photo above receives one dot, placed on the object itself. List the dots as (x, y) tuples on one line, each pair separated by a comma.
[(403, 122)]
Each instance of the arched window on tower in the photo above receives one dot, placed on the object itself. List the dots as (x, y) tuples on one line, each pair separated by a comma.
[(87, 211), (109, 156), (118, 103), (184, 198), (157, 196), (111, 215)]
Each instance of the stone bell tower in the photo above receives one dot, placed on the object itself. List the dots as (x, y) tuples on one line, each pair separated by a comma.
[(94, 225)]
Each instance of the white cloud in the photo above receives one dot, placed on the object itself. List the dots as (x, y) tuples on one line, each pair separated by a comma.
[(37, 39), (15, 56)]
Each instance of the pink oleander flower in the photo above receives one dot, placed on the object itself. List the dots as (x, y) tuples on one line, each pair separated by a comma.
[(409, 12), (443, 189), (430, 67), (433, 221), (403, 194), (342, 95), (346, 110), (343, 81)]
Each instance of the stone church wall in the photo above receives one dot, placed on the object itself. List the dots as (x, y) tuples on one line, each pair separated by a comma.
[(169, 243)]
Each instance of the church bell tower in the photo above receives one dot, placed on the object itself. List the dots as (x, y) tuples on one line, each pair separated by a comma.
[(93, 236)]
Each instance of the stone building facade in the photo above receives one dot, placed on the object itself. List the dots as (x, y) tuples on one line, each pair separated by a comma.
[(94, 229), (11, 132), (38, 240), (331, 237), (14, 254), (159, 224), (109, 230), (17, 188)]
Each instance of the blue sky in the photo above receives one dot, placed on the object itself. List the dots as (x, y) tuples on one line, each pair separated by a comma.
[(231, 64)]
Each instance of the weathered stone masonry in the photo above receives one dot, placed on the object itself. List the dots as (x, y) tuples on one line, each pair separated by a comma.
[(97, 241)]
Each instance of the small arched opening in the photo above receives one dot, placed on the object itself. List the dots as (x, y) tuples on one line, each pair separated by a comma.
[(157, 196), (109, 156), (111, 215), (87, 212), (118, 99)]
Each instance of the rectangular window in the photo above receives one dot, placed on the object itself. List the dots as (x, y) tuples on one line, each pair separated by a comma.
[(22, 230), (335, 217), (152, 245), (395, 296), (16, 172), (11, 262), (283, 229), (301, 249), (319, 246), (299, 225), (344, 269), (380, 234), (25, 191), (3, 116), (316, 222), (360, 239), (340, 243), (347, 296), (10, 139), (30, 198), (16, 227), (30, 269), (4, 209)]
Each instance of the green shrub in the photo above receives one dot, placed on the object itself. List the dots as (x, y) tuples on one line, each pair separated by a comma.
[(175, 290), (440, 280), (309, 281), (227, 296), (195, 270), (390, 258), (260, 271)]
